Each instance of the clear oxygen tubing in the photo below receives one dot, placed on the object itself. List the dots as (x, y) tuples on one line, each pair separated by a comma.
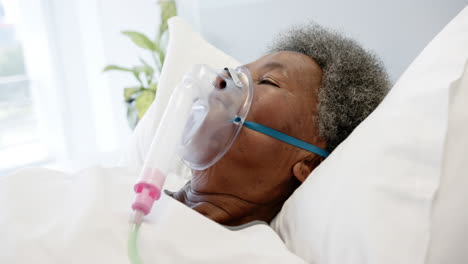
[(133, 255), (159, 162), (132, 245)]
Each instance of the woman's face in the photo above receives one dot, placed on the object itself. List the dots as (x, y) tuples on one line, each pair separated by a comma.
[(258, 168)]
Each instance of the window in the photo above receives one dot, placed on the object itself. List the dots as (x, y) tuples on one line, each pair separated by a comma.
[(20, 142)]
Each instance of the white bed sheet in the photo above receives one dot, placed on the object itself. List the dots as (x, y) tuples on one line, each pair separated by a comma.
[(52, 217)]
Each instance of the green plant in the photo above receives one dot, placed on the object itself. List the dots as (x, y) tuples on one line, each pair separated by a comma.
[(11, 60), (139, 97)]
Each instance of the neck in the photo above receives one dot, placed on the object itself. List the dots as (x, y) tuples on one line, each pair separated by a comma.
[(227, 209)]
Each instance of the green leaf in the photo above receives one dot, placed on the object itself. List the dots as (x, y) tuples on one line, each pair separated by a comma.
[(153, 87), (143, 102), (136, 73), (163, 40), (130, 92), (148, 75), (147, 69), (162, 57), (132, 115), (138, 69), (157, 60), (140, 39), (168, 10), (116, 68)]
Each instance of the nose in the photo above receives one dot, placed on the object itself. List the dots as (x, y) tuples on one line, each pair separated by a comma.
[(219, 83)]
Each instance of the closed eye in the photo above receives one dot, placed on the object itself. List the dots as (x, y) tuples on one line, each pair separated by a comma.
[(268, 81)]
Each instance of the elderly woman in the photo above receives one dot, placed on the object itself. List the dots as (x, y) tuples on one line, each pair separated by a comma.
[(314, 85)]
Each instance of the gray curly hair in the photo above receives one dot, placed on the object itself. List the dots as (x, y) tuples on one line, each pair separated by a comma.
[(354, 80)]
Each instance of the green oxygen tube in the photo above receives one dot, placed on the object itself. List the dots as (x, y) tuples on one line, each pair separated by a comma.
[(132, 247)]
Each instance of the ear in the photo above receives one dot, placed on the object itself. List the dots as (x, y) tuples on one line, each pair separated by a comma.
[(304, 167)]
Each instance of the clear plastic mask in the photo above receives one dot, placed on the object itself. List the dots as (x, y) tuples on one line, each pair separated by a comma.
[(217, 98)]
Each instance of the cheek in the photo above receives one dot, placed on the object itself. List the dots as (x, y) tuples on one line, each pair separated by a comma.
[(270, 108), (257, 150), (285, 112)]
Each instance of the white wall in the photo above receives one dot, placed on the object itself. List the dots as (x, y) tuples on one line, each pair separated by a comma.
[(397, 30)]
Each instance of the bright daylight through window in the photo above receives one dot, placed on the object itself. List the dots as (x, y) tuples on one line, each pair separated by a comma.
[(19, 137)]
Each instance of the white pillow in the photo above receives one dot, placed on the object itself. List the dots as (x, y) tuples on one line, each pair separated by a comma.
[(449, 229), (371, 200), (185, 48)]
